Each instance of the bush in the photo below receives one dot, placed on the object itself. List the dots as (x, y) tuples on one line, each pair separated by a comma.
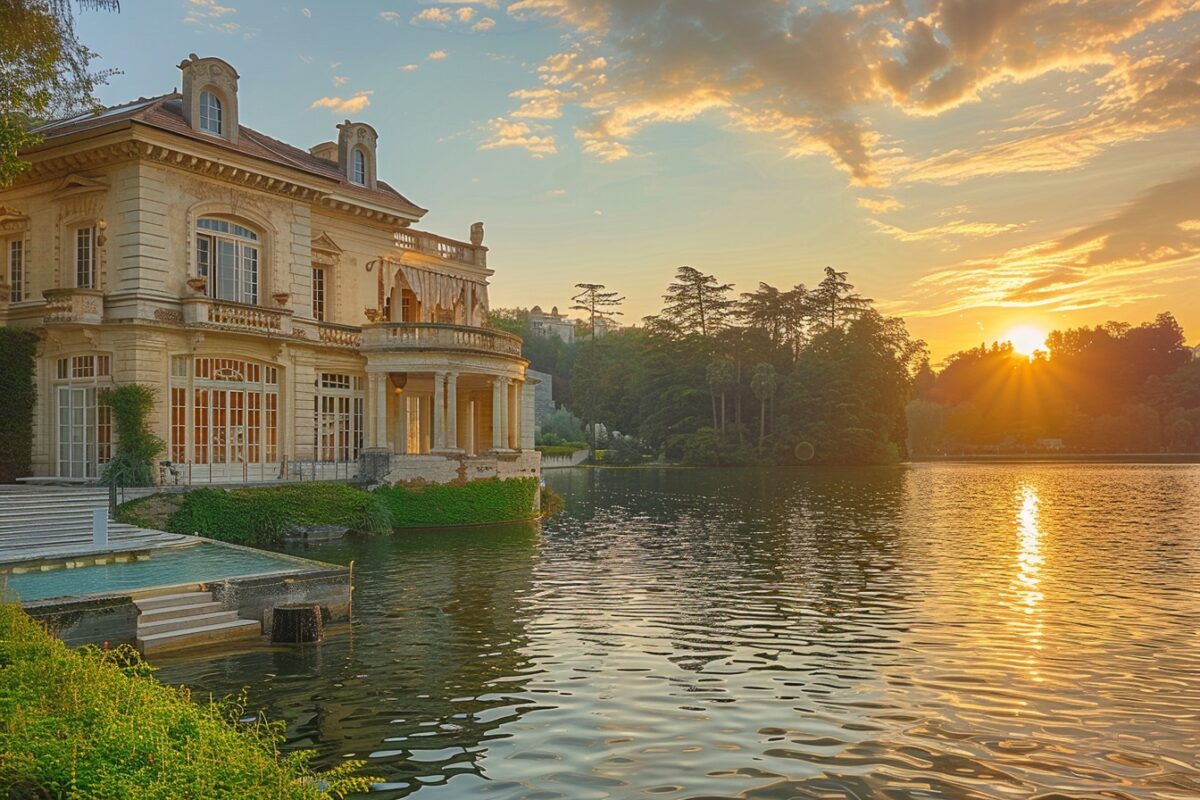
[(708, 448), (94, 723), (137, 447), (625, 451), (261, 516), (562, 426), (568, 449), (18, 392)]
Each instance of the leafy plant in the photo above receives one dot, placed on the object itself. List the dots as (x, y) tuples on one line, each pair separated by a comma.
[(133, 462), (18, 349)]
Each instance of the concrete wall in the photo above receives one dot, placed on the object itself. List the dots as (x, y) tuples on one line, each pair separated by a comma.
[(255, 598), (110, 619), (447, 469)]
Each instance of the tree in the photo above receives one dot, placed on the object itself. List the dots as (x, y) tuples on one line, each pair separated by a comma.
[(596, 301), (763, 383), (720, 377), (926, 427), (696, 305), (834, 303), (43, 70)]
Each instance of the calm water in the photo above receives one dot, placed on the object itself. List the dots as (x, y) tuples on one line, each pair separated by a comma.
[(938, 631)]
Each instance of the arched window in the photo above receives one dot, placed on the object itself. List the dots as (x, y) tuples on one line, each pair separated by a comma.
[(210, 113), (359, 173), (228, 254)]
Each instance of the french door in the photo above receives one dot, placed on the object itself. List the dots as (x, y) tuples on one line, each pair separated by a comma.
[(77, 432)]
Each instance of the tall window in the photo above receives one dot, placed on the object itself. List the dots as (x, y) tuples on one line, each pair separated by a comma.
[(85, 257), (227, 254), (359, 173), (84, 425), (16, 270), (318, 293), (339, 419), (231, 410), (210, 113)]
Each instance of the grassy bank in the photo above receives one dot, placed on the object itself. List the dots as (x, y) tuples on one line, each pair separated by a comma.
[(262, 515), (90, 723)]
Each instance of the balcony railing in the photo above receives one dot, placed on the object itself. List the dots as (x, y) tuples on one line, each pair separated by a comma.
[(438, 336), (440, 246), (83, 306), (339, 335), (206, 312)]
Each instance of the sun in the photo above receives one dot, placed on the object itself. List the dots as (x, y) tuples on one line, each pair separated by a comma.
[(1026, 340)]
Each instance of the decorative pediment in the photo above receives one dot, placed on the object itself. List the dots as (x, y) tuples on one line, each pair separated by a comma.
[(9, 213), (325, 250), (76, 184), (12, 220)]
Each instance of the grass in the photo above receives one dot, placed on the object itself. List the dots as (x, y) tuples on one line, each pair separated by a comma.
[(93, 723)]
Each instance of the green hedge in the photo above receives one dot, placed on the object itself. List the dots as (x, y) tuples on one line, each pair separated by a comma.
[(18, 349), (90, 723), (260, 516), (560, 449)]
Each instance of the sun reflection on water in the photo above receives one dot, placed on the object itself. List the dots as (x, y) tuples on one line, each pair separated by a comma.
[(1029, 572)]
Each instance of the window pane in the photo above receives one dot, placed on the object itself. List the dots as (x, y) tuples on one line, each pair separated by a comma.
[(210, 113), (249, 275), (227, 277), (203, 255), (85, 258)]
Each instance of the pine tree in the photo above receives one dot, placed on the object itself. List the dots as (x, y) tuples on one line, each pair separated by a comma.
[(695, 305), (597, 302), (834, 303)]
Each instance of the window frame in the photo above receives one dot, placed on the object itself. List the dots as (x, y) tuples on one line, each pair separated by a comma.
[(16, 271), (320, 293), (223, 245), (359, 173), (211, 113), (86, 259)]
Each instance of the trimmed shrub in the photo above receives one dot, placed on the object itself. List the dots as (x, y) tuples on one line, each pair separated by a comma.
[(93, 723), (474, 503), (18, 349)]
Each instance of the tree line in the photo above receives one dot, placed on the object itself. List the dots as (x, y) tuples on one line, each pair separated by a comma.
[(1111, 388), (717, 378)]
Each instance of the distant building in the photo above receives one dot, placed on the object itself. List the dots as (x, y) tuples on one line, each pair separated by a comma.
[(551, 324), (606, 325), (1196, 353)]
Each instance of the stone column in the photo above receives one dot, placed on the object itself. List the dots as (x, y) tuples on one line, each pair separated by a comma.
[(452, 410), (381, 409), (499, 412), (439, 411), (402, 423), (515, 429)]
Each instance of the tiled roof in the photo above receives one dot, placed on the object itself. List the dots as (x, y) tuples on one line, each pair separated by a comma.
[(166, 113)]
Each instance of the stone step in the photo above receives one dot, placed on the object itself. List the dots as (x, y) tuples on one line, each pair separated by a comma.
[(178, 612), (145, 629), (162, 601), (203, 635)]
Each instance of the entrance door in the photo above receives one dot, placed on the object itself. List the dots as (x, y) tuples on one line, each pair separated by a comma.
[(77, 432)]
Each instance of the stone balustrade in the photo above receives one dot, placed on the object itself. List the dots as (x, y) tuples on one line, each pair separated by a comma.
[(440, 246), (73, 306), (438, 336), (206, 312), (339, 335)]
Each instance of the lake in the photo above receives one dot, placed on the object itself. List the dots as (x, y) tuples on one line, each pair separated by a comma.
[(930, 631)]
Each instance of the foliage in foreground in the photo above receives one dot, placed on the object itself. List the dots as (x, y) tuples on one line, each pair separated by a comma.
[(90, 723), (17, 395), (261, 516)]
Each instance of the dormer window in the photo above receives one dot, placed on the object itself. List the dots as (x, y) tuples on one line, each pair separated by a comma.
[(210, 113), (359, 172)]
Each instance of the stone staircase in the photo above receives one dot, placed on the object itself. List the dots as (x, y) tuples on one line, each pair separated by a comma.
[(182, 617), (50, 522)]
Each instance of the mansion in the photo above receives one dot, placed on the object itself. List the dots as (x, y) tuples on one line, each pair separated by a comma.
[(279, 301)]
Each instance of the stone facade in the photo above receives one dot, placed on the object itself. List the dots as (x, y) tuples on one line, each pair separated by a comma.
[(279, 301)]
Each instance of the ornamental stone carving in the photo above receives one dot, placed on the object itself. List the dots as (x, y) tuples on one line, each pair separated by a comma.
[(210, 75)]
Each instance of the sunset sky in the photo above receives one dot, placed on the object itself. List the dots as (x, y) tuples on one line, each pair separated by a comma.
[(976, 165)]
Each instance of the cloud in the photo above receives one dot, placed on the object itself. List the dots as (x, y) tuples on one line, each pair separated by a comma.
[(464, 14), (433, 15), (390, 16), (946, 232), (437, 55), (340, 80), (484, 24), (819, 76), (344, 105), (409, 68), (306, 12), (509, 133), (880, 204), (1135, 254), (209, 14), (556, 193)]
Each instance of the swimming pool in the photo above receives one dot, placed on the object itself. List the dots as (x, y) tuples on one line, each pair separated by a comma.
[(197, 563)]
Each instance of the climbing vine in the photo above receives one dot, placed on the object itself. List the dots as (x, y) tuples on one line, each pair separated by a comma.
[(17, 395), (133, 462)]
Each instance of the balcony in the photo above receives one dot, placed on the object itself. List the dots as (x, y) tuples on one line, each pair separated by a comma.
[(208, 313), (438, 336), (73, 306), (440, 247), (339, 335)]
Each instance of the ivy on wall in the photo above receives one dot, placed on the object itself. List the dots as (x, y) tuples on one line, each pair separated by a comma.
[(133, 462), (18, 392)]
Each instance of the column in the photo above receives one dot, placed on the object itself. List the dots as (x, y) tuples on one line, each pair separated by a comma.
[(381, 405), (402, 423), (515, 430), (452, 410), (439, 411), (499, 412)]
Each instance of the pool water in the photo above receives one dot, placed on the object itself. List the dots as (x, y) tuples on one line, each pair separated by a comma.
[(192, 564)]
